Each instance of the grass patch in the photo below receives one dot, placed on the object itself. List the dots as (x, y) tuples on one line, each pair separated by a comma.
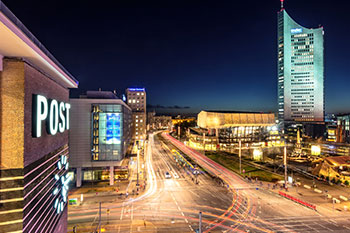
[(231, 162)]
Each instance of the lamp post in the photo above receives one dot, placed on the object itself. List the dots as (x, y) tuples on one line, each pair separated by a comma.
[(204, 143), (138, 153), (240, 156), (285, 165)]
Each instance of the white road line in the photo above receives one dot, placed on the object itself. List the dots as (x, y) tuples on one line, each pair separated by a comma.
[(132, 212), (121, 213)]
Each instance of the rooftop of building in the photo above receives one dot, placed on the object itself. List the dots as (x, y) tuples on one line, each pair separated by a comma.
[(100, 95), (229, 111), (339, 160), (224, 119), (17, 41), (136, 89)]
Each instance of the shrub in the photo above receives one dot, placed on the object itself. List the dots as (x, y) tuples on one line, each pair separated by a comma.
[(346, 182), (333, 180)]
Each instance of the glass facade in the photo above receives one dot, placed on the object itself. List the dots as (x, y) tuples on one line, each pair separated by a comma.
[(300, 71), (108, 123)]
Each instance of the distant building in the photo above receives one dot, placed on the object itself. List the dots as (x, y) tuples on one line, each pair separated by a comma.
[(155, 122), (222, 130), (181, 120), (136, 99), (100, 136), (34, 126), (300, 72), (337, 168)]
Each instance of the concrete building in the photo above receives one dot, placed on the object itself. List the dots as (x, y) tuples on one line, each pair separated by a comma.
[(34, 125), (136, 99), (222, 130), (99, 137), (300, 71)]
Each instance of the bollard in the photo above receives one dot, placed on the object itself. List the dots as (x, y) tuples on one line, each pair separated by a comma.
[(317, 191)]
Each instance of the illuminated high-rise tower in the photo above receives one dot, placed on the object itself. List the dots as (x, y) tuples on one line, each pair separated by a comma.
[(300, 71)]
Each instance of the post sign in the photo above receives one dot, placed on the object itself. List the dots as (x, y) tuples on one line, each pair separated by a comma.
[(54, 113)]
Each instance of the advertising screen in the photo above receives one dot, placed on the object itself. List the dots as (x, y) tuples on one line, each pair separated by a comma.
[(110, 128)]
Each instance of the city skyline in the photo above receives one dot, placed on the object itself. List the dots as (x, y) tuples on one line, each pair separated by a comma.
[(206, 49)]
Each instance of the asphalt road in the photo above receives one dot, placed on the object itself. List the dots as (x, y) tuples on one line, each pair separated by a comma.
[(173, 204)]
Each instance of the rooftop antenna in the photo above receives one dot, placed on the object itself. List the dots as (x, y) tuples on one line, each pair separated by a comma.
[(282, 3)]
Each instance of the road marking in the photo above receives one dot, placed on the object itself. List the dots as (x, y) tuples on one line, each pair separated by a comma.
[(121, 213), (132, 212)]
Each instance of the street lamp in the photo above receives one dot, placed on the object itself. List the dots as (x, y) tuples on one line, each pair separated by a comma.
[(138, 161), (285, 164), (240, 156)]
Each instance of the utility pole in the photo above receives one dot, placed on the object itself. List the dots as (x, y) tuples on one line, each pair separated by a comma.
[(200, 222), (240, 156), (99, 219)]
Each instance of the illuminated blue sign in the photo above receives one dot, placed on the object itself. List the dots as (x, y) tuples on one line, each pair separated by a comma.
[(296, 30), (113, 128), (136, 89)]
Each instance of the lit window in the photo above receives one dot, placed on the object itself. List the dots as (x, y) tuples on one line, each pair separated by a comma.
[(129, 101), (137, 124), (142, 93), (138, 101), (133, 101), (138, 93), (137, 133), (138, 120), (137, 116)]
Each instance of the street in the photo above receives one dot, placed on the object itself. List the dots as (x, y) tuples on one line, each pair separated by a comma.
[(173, 204)]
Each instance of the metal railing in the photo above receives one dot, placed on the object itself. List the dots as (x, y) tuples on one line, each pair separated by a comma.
[(6, 11)]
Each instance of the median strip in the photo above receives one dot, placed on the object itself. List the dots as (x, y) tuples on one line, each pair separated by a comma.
[(304, 203)]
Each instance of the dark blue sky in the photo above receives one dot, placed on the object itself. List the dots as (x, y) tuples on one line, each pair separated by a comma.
[(202, 54)]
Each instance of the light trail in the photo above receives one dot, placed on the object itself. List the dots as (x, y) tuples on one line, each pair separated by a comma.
[(227, 176)]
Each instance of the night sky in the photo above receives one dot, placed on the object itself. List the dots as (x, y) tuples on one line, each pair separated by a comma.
[(200, 54)]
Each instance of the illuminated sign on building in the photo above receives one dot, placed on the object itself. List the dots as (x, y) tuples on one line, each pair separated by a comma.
[(62, 184), (136, 89), (56, 115), (296, 30)]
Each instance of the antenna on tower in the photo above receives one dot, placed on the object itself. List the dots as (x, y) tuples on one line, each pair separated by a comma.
[(282, 4)]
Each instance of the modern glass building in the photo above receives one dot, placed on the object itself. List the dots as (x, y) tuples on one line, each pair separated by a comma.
[(99, 137), (300, 71)]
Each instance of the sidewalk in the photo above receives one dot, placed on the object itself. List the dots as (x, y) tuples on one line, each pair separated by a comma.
[(125, 188)]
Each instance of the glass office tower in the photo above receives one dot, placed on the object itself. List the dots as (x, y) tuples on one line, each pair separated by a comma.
[(300, 71)]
